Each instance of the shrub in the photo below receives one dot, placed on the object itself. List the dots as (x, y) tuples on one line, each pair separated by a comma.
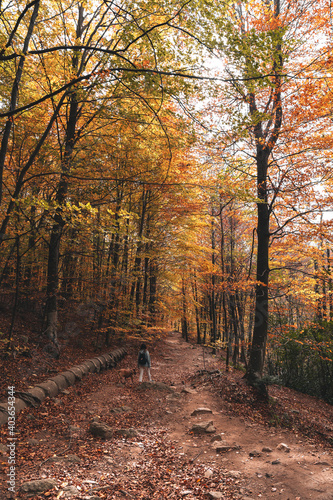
[(303, 360)]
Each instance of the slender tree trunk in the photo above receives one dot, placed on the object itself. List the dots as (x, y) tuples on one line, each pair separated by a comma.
[(184, 315), (197, 316), (15, 91), (152, 291), (146, 268), (17, 292), (212, 298), (59, 223), (70, 261), (25, 169), (136, 284)]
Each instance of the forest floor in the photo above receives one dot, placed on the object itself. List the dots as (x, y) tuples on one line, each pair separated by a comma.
[(155, 454)]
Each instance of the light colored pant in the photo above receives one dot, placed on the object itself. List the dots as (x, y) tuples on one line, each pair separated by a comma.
[(142, 368)]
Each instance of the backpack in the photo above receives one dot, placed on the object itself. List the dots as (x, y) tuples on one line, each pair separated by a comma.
[(143, 358)]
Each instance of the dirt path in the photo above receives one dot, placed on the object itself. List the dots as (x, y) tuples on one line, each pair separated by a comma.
[(162, 458), (304, 472)]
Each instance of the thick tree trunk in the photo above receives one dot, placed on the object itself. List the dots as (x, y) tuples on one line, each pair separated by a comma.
[(265, 142)]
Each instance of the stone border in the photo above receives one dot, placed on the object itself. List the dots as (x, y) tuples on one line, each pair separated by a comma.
[(53, 386)]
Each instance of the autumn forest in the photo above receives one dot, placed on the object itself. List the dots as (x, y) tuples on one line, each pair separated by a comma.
[(168, 164)]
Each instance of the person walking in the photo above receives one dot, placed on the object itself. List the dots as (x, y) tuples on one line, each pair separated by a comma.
[(144, 362)]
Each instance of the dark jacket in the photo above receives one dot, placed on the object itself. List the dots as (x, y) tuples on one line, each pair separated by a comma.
[(147, 363)]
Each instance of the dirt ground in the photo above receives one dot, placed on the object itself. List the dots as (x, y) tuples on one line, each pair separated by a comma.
[(162, 457)]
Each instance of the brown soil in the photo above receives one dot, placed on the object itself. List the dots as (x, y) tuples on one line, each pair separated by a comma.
[(165, 460)]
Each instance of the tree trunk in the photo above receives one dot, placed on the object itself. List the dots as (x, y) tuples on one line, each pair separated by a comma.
[(258, 346), (184, 315), (265, 143), (197, 316), (152, 291), (15, 93), (59, 223), (136, 284), (213, 298)]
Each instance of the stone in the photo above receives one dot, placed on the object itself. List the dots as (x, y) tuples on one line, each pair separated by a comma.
[(74, 459), (222, 447), (126, 409), (128, 433), (217, 437), (102, 361), (33, 442), (255, 453), (121, 409), (97, 364), (100, 429), (38, 395), (89, 366), (19, 405), (235, 473), (50, 388), (69, 376), (61, 382), (116, 410), (77, 372), (84, 369), (210, 429), (208, 473), (200, 428), (266, 449), (184, 493), (3, 449), (187, 390), (159, 386), (71, 491), (38, 486), (3, 418), (244, 491), (215, 495), (201, 411), (283, 447), (3, 408), (276, 462)]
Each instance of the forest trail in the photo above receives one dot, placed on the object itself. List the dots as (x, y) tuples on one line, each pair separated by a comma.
[(154, 454), (304, 472)]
